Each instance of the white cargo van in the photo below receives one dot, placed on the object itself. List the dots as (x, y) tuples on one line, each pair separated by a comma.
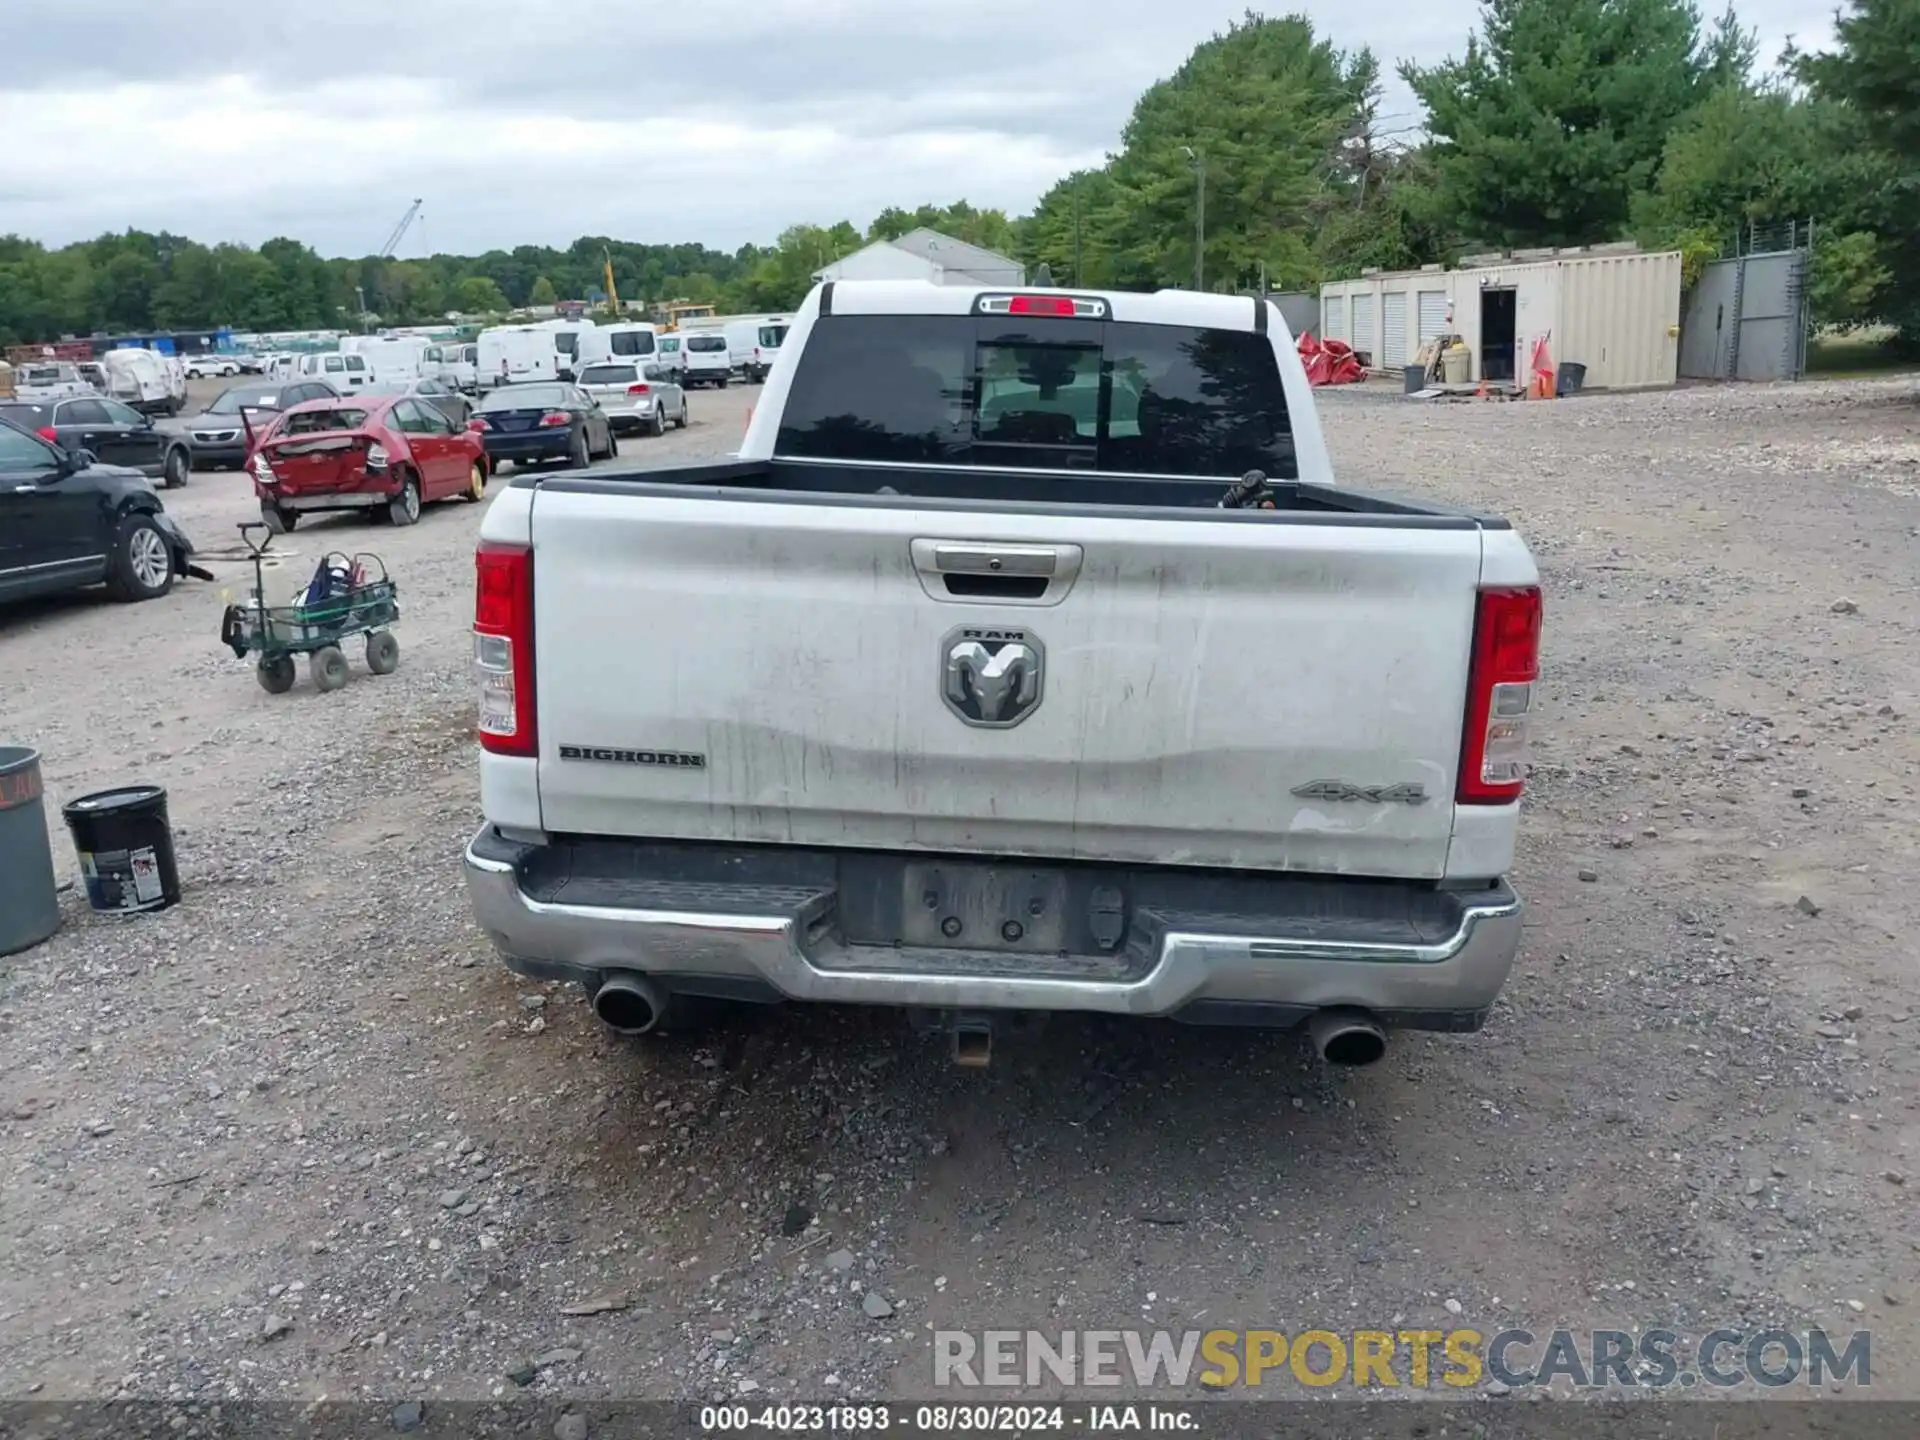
[(389, 357), (346, 373), (139, 378), (624, 340), (756, 345), (708, 359), (510, 354), (453, 364), (566, 343)]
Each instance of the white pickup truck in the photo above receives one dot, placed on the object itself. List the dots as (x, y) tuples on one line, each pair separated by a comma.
[(986, 679)]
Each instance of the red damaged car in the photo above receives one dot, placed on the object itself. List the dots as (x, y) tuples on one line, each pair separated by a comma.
[(389, 453)]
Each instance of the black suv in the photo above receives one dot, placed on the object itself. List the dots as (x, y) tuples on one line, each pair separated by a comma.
[(67, 521), (117, 434)]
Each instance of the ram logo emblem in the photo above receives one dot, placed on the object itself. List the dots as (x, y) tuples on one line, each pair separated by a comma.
[(992, 678)]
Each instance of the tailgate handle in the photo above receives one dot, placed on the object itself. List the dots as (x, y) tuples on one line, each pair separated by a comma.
[(1010, 574), (998, 559)]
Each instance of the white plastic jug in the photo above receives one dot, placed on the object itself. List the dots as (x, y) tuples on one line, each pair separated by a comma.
[(283, 579)]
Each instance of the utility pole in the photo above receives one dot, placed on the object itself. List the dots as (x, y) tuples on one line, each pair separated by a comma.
[(1199, 216)]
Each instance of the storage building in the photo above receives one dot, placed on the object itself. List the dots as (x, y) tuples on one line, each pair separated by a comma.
[(926, 255), (1613, 309)]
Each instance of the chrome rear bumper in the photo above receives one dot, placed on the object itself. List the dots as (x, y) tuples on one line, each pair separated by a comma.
[(783, 941)]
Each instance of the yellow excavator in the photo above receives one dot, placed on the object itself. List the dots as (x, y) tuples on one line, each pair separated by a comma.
[(672, 314)]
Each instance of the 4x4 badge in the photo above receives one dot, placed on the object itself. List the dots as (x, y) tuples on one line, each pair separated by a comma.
[(1406, 793)]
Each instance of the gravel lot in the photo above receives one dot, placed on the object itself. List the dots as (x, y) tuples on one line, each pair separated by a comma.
[(301, 1136)]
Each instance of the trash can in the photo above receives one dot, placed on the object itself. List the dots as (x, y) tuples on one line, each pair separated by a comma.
[(1416, 379), (126, 848), (29, 900), (1568, 379)]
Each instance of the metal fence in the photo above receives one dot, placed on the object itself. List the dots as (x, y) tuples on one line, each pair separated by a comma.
[(1746, 317)]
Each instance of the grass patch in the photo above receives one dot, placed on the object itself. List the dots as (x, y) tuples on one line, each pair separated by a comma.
[(1851, 354)]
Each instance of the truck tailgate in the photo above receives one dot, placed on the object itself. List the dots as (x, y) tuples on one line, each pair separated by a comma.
[(1234, 692)]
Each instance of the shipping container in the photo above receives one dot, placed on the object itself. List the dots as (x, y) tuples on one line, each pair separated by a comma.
[(1614, 310)]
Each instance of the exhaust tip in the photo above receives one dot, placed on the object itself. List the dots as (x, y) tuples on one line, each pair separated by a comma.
[(1347, 1037), (629, 1004)]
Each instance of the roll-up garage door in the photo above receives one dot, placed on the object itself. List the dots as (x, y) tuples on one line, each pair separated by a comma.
[(1333, 317), (1363, 337), (1393, 316)]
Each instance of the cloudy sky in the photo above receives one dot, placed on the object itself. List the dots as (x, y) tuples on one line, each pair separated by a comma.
[(535, 121)]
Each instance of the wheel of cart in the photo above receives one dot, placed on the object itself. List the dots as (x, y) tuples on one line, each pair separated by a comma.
[(357, 597)]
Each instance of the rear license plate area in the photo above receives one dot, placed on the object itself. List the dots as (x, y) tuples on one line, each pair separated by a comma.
[(986, 907)]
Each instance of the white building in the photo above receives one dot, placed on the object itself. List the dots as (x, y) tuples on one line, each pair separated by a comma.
[(926, 255)]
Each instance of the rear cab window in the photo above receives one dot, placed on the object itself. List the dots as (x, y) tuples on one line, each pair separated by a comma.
[(706, 344), (631, 342), (1039, 393)]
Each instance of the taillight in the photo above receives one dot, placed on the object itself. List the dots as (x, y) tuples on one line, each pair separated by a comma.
[(376, 456), (48, 434), (503, 647), (476, 424), (640, 389), (556, 417), (1500, 681)]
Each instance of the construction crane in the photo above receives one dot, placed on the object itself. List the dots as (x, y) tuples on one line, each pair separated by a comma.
[(399, 231), (386, 253), (613, 294)]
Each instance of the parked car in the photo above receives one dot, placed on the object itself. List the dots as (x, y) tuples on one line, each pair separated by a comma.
[(708, 360), (671, 355), (988, 799), (218, 434), (203, 367), (67, 522), (51, 381), (116, 434), (636, 397), (386, 454), (94, 373), (444, 398), (529, 424)]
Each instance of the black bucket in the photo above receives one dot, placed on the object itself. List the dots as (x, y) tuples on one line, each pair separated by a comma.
[(29, 900), (1568, 379), (126, 848)]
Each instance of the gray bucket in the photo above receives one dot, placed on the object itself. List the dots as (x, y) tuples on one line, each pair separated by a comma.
[(29, 901), (1415, 379)]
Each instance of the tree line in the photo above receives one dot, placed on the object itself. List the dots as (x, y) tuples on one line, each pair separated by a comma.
[(1564, 122)]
